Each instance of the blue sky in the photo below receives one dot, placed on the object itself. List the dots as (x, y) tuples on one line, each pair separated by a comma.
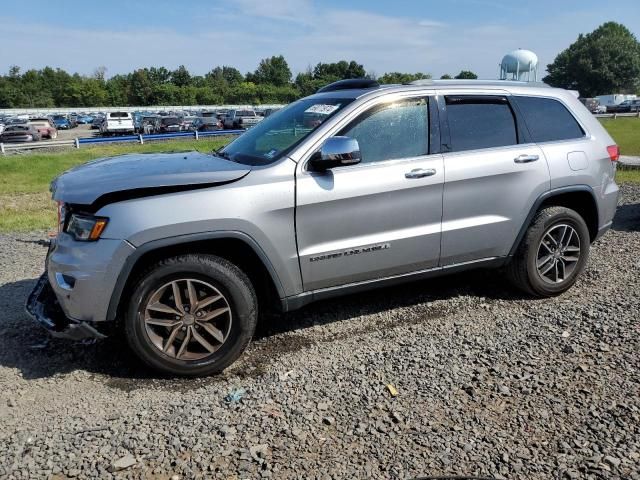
[(401, 35)]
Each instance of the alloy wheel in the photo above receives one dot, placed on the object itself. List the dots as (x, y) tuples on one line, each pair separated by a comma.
[(558, 253), (187, 319)]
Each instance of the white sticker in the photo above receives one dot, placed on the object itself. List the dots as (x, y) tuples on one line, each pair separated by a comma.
[(322, 109)]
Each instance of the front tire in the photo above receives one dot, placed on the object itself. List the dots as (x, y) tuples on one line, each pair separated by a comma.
[(552, 254), (191, 315)]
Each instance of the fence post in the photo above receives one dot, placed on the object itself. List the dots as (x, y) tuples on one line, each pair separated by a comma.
[(2, 148), (77, 142), (196, 134), (140, 139)]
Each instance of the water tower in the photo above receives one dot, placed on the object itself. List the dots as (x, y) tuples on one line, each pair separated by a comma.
[(519, 65)]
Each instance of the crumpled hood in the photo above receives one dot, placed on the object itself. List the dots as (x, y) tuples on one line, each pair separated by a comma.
[(144, 172)]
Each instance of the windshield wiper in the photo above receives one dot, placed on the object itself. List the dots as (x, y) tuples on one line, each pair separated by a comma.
[(222, 154)]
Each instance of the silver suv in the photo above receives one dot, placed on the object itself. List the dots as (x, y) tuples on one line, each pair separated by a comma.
[(356, 187)]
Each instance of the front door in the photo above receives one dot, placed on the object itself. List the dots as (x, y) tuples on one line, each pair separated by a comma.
[(381, 217)]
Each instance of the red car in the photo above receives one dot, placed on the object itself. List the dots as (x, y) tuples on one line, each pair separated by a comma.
[(45, 127)]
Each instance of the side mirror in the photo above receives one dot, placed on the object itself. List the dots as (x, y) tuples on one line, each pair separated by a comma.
[(336, 152)]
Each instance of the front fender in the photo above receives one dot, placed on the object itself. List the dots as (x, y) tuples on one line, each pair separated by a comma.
[(149, 247)]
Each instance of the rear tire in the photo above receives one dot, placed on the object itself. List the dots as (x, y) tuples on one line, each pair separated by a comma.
[(552, 254), (187, 342)]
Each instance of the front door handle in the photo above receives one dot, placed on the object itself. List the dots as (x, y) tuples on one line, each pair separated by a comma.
[(420, 173), (526, 158)]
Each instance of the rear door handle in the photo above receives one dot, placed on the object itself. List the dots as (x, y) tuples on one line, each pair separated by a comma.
[(420, 173), (526, 158)]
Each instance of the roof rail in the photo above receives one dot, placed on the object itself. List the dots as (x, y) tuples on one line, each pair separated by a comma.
[(456, 82), (350, 84)]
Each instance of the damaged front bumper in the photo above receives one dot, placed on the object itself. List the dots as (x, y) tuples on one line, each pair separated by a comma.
[(43, 307)]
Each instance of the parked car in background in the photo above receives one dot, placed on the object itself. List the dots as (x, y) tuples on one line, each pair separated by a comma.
[(592, 104), (187, 121), (628, 106), (61, 122), (73, 120), (149, 124), (236, 119), (45, 127), (614, 99), (24, 132), (85, 119), (170, 125), (117, 123), (206, 124), (97, 121), (270, 111)]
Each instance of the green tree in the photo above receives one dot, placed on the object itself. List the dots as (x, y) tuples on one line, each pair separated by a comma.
[(446, 76), (140, 88), (159, 75), (117, 91), (271, 71), (341, 70), (604, 61), (466, 75), (398, 77), (230, 75), (100, 73), (181, 77)]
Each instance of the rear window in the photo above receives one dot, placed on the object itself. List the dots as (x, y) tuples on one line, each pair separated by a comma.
[(480, 122), (245, 113), (548, 120), (118, 115), (170, 121)]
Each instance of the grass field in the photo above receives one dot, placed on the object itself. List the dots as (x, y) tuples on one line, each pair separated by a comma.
[(25, 202), (626, 132)]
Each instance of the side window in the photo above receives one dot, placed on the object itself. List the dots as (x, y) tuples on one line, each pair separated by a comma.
[(393, 131), (480, 122), (548, 120)]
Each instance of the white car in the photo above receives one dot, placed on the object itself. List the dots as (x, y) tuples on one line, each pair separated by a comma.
[(117, 123), (238, 119)]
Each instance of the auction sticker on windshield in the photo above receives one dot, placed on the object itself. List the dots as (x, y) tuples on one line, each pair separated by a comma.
[(322, 109)]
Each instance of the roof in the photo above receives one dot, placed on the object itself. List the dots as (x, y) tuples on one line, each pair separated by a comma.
[(510, 85), (478, 83)]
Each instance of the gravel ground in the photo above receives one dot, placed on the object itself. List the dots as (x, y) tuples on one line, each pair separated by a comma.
[(488, 383)]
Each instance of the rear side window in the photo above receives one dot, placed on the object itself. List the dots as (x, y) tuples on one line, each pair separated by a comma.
[(480, 122), (548, 120), (393, 131)]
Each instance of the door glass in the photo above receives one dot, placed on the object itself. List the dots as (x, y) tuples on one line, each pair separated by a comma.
[(480, 122), (548, 120), (393, 131)]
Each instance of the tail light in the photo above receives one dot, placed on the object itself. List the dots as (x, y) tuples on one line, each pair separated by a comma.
[(614, 152)]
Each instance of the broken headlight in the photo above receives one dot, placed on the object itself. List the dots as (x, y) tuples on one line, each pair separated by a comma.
[(86, 228)]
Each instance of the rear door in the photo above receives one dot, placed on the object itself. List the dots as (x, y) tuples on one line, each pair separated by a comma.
[(493, 175), (381, 217)]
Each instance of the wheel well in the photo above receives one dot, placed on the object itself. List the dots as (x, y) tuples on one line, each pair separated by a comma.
[(234, 250), (581, 202)]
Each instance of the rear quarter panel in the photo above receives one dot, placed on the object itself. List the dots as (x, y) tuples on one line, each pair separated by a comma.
[(596, 169)]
